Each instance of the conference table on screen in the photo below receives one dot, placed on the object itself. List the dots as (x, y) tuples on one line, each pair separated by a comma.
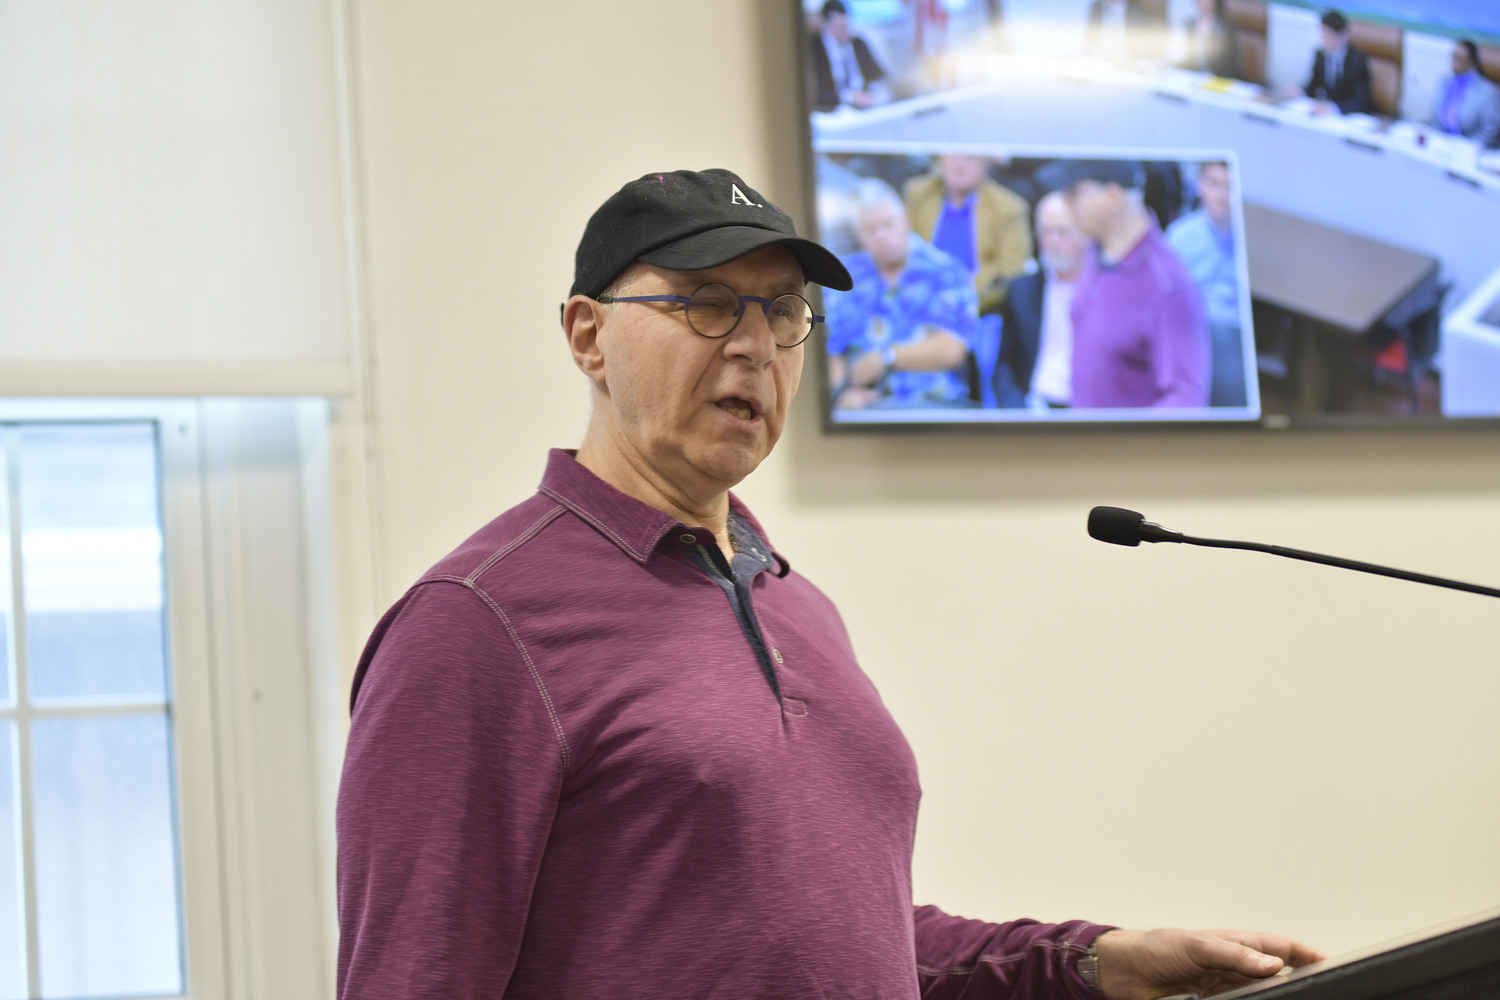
[(1347, 218), (1343, 282)]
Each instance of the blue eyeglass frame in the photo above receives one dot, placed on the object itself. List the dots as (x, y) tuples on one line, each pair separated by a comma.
[(764, 303)]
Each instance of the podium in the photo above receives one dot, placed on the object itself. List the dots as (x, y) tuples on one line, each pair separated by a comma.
[(1459, 960)]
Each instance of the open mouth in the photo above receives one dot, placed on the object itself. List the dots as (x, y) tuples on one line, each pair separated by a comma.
[(742, 408)]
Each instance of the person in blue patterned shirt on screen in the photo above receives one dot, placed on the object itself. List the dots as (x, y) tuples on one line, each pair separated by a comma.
[(902, 337)]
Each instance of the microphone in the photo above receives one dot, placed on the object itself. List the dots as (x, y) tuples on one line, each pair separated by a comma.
[(1119, 526)]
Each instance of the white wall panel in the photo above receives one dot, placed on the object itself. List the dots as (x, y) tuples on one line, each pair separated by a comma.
[(173, 221)]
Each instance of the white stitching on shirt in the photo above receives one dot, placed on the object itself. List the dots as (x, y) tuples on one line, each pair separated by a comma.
[(591, 519), (536, 677), (516, 543), (964, 970)]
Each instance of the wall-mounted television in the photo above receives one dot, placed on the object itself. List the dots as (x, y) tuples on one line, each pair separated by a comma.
[(1157, 212)]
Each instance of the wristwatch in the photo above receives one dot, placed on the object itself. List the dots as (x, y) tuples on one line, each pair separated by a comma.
[(1088, 967), (888, 357)]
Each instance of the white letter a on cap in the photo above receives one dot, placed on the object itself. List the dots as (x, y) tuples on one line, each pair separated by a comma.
[(737, 197)]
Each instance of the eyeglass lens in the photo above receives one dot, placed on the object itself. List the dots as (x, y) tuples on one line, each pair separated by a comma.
[(713, 311)]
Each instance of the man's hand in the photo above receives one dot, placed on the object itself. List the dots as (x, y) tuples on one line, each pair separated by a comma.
[(1142, 965), (855, 398), (867, 369)]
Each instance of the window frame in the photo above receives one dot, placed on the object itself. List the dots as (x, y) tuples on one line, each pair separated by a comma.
[(228, 868)]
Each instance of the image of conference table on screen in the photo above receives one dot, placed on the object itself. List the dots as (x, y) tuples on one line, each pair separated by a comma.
[(1003, 308), (1369, 243)]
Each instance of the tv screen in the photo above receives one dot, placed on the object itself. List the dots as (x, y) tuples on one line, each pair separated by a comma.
[(1086, 212)]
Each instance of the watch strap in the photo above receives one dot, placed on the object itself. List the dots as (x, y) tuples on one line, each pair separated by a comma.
[(1088, 966)]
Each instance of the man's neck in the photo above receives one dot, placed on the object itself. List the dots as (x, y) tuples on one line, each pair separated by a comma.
[(959, 198), (609, 456), (1123, 237)]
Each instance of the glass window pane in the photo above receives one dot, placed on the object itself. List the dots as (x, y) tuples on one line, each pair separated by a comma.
[(107, 910), (7, 687), (91, 546), (12, 915)]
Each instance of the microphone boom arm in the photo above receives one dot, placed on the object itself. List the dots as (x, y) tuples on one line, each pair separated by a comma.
[(1314, 557)]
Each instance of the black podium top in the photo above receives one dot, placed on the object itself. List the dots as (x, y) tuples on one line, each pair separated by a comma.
[(1459, 960)]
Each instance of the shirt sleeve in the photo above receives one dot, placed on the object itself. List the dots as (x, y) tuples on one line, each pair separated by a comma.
[(954, 304), (1012, 249), (959, 959), (451, 780), (1358, 99), (1180, 353), (843, 322), (1489, 118)]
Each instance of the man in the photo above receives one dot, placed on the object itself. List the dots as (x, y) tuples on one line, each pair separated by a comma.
[(961, 211), (613, 746), (1035, 367), (1209, 42), (1125, 31), (1204, 239), (1340, 72), (1468, 102), (902, 336), (1140, 338), (845, 70)]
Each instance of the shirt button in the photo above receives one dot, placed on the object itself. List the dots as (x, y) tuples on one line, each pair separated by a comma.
[(777, 653), (688, 538)]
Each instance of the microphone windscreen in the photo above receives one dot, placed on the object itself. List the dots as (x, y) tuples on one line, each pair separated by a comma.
[(1116, 525)]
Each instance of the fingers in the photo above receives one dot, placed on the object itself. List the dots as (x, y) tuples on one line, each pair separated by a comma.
[(1225, 951), (1260, 945), (1294, 953)]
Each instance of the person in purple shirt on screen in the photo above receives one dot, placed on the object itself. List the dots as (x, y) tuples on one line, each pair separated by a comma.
[(1140, 334), (1468, 102), (614, 746)]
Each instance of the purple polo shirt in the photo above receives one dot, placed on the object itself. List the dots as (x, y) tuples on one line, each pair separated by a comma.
[(568, 775), (1140, 336)]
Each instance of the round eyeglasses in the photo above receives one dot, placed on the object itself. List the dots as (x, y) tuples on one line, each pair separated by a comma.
[(715, 310)]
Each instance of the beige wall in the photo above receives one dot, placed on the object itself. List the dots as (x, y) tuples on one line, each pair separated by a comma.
[(1145, 736)]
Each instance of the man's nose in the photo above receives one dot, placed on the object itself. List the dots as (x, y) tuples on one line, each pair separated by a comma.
[(752, 336)]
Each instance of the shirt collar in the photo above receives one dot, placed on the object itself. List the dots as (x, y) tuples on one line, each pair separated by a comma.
[(967, 205), (635, 527), (1135, 256)]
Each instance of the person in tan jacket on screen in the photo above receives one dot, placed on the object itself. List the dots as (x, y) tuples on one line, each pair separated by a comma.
[(959, 209)]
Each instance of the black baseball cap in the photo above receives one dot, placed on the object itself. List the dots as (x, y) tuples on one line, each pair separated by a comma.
[(688, 220), (1059, 175)]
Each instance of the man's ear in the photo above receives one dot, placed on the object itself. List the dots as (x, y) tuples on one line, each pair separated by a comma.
[(582, 319)]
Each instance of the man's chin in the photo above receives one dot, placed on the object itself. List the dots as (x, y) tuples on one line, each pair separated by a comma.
[(729, 464)]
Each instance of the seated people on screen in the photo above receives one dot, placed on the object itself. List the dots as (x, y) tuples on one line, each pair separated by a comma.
[(1204, 239), (1035, 367), (901, 337), (962, 211), (1468, 102), (844, 68), (1207, 41), (1125, 31), (1140, 337), (1340, 72)]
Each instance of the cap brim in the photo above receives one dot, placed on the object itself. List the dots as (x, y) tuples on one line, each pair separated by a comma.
[(1059, 175), (720, 246)]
